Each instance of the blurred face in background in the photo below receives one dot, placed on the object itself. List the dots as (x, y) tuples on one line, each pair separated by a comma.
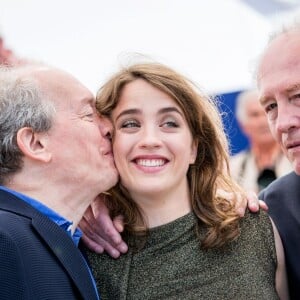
[(255, 125)]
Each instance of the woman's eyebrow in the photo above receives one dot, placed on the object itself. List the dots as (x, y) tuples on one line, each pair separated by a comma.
[(169, 109), (129, 111), (136, 111)]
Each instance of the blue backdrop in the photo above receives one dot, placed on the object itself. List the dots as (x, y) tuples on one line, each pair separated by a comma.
[(238, 141)]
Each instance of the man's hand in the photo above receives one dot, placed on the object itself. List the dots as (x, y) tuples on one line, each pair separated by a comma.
[(100, 233), (249, 201)]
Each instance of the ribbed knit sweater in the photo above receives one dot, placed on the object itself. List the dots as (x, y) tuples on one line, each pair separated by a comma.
[(172, 265)]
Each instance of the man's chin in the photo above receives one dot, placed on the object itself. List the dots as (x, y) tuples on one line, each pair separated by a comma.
[(296, 166)]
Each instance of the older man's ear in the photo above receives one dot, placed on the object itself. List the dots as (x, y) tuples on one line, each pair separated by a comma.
[(33, 144)]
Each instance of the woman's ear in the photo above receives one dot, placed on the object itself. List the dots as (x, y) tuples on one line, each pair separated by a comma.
[(194, 152), (33, 144)]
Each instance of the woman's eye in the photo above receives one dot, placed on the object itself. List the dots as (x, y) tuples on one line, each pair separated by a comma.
[(170, 124), (130, 124)]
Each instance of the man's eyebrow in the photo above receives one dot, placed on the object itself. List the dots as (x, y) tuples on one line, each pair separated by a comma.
[(263, 100), (289, 89), (88, 100), (293, 88)]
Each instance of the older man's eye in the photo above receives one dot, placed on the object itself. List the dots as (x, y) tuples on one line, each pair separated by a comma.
[(270, 107), (296, 96), (295, 99), (271, 111), (88, 116)]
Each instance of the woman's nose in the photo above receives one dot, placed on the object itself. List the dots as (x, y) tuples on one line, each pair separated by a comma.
[(106, 127), (150, 138)]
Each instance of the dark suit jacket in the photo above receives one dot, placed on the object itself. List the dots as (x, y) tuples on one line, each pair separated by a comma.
[(38, 260), (283, 199)]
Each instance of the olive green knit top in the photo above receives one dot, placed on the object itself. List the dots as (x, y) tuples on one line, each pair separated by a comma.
[(172, 266)]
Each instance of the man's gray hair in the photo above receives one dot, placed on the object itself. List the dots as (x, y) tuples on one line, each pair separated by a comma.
[(291, 27), (22, 104), (285, 29)]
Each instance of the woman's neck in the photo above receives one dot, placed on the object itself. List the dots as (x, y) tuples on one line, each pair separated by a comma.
[(164, 207)]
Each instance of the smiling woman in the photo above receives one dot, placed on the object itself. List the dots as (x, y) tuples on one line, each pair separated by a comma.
[(184, 242), (153, 149)]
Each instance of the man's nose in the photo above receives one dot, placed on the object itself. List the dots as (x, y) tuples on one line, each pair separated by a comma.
[(286, 118)]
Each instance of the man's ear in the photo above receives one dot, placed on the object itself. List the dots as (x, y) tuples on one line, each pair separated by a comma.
[(33, 144)]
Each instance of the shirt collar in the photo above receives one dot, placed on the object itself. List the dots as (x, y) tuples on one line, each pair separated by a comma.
[(51, 214)]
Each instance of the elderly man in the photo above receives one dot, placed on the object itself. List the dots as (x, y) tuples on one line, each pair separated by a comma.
[(279, 84), (55, 157)]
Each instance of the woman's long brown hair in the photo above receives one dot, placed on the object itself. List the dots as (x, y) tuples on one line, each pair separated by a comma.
[(205, 176)]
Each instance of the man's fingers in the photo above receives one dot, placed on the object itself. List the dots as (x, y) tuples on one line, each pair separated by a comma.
[(119, 223), (88, 236), (239, 201), (242, 202), (102, 233), (104, 227), (253, 203), (102, 223), (263, 205), (97, 244), (92, 245)]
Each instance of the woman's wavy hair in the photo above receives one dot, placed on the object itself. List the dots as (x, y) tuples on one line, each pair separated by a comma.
[(210, 170)]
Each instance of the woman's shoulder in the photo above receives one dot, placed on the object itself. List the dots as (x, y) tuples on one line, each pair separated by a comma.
[(256, 218), (256, 223), (256, 230)]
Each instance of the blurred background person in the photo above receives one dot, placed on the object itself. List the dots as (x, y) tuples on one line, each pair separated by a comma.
[(262, 162), (7, 56)]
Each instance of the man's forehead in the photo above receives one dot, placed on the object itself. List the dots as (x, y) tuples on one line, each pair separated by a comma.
[(286, 45), (282, 54), (58, 81)]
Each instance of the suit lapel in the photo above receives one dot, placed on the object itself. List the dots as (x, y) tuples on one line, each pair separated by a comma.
[(62, 246), (65, 250)]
